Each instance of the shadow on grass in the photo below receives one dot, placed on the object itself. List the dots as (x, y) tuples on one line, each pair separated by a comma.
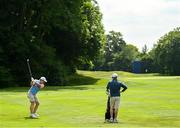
[(29, 118), (78, 79), (76, 82)]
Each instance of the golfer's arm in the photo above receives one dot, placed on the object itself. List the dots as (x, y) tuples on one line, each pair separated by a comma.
[(107, 88), (32, 83), (40, 85), (124, 87)]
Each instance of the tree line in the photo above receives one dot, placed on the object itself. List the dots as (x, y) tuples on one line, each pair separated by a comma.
[(61, 36), (116, 54)]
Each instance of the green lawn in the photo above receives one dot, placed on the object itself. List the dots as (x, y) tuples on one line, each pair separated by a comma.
[(150, 101)]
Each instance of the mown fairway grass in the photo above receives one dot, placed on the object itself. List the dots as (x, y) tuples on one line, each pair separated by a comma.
[(150, 101)]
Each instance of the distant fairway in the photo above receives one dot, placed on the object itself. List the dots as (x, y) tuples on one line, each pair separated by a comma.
[(150, 101)]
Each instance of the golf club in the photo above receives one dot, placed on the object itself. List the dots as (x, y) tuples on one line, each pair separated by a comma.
[(29, 68)]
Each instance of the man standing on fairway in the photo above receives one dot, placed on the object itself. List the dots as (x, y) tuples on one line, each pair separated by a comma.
[(114, 90), (36, 85)]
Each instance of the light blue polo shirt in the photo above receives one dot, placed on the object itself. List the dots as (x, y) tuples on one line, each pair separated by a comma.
[(35, 89)]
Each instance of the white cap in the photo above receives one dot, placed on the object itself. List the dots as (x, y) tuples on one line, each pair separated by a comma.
[(114, 75), (43, 78)]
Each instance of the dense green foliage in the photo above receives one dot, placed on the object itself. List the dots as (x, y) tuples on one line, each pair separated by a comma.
[(56, 35), (150, 102), (163, 58), (167, 53), (147, 60), (117, 54)]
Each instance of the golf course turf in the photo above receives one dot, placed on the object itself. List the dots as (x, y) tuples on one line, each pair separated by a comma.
[(150, 101)]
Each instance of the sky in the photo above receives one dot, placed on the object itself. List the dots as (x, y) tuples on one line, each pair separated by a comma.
[(140, 21)]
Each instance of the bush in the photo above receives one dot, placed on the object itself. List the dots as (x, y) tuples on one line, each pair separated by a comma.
[(6, 78)]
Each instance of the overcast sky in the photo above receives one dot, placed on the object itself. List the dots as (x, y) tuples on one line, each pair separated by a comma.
[(140, 21)]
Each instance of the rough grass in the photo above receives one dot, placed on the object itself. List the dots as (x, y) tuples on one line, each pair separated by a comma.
[(150, 101)]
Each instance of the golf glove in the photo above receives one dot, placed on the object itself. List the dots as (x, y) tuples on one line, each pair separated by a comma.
[(32, 79)]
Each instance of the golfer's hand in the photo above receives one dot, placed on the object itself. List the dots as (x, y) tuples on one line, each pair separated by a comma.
[(108, 93), (32, 79)]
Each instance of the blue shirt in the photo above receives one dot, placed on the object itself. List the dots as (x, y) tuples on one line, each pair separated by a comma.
[(35, 88), (115, 86)]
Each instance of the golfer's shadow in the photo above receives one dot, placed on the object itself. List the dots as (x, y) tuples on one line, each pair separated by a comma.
[(30, 118)]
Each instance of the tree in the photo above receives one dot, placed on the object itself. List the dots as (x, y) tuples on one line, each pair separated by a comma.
[(114, 45), (57, 35), (123, 60), (93, 36), (116, 55), (146, 60), (144, 49), (167, 53)]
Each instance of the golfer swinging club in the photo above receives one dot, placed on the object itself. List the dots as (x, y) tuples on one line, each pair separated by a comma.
[(114, 90), (36, 85)]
